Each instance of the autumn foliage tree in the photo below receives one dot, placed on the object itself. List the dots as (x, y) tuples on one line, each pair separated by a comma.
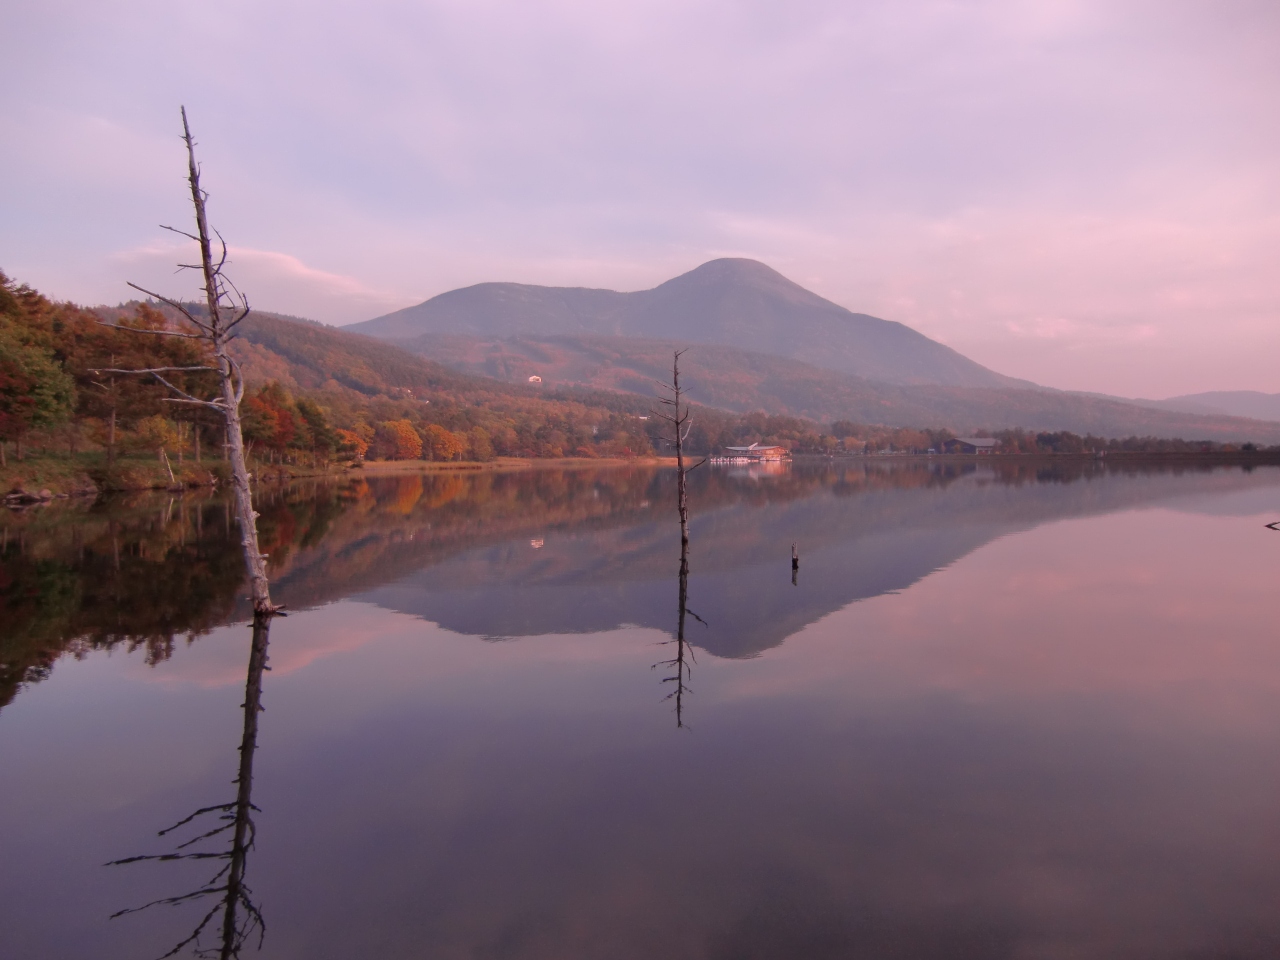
[(34, 391), (442, 444), (403, 440)]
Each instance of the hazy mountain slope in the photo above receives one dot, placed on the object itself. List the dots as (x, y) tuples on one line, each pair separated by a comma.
[(742, 380), (304, 355), (1236, 403), (731, 302), (308, 355)]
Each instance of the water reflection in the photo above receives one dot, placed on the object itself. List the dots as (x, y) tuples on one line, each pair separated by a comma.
[(459, 549), (681, 665), (137, 572), (1061, 742), (240, 916)]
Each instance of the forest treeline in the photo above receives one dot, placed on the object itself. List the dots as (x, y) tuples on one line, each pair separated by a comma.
[(58, 396), (315, 394), (319, 394)]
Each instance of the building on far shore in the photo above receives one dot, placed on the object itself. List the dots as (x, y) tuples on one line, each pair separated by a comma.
[(756, 453), (970, 445)]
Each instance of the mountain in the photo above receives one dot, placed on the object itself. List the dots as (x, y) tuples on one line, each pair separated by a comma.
[(729, 301), (742, 381), (619, 373), (1236, 403)]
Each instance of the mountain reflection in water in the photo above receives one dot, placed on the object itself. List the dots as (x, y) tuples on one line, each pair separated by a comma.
[(1049, 727), (455, 548)]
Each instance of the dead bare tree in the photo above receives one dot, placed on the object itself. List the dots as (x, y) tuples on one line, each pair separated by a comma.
[(680, 419), (241, 917), (225, 308)]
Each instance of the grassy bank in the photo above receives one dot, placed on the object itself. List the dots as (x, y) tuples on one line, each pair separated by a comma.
[(383, 467), (88, 474)]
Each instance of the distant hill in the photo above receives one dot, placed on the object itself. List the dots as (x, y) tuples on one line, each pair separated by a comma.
[(741, 380), (303, 354), (1236, 403), (730, 302), (619, 373)]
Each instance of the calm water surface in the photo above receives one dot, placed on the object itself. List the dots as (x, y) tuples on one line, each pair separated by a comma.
[(1002, 712)]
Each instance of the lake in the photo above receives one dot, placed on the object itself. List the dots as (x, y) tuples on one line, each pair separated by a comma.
[(1017, 709)]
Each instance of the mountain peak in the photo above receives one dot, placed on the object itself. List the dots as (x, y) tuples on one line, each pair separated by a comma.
[(734, 268), (732, 301)]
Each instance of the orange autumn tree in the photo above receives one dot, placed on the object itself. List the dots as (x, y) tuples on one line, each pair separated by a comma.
[(442, 444), (352, 444), (405, 442), (271, 419)]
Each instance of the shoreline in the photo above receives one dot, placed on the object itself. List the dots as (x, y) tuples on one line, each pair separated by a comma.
[(39, 479), (1216, 456), (502, 464), (42, 479)]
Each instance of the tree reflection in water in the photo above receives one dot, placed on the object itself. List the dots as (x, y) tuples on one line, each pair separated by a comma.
[(680, 419), (682, 663), (241, 917)]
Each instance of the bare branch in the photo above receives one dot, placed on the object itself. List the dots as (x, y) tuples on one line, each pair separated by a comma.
[(224, 808), (194, 936), (212, 404), (231, 825), (181, 233), (156, 371), (157, 333), (152, 369), (176, 305), (239, 379), (186, 396), (223, 260), (170, 901)]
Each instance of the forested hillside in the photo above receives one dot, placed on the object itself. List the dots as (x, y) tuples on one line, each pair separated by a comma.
[(743, 380), (315, 394), (318, 394)]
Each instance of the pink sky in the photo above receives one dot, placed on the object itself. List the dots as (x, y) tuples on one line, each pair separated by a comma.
[(1081, 193)]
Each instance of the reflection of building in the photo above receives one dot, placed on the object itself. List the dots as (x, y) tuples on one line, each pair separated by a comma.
[(756, 453), (756, 469), (970, 445)]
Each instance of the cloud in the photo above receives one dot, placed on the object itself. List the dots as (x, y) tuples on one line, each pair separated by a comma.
[(272, 280), (966, 168)]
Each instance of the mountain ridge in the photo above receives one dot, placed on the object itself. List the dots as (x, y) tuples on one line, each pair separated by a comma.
[(742, 381), (729, 301), (1235, 403)]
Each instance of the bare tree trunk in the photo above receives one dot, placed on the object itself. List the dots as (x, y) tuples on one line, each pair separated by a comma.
[(111, 438), (243, 836), (682, 481), (240, 915), (225, 309), (255, 562), (681, 422), (253, 558)]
